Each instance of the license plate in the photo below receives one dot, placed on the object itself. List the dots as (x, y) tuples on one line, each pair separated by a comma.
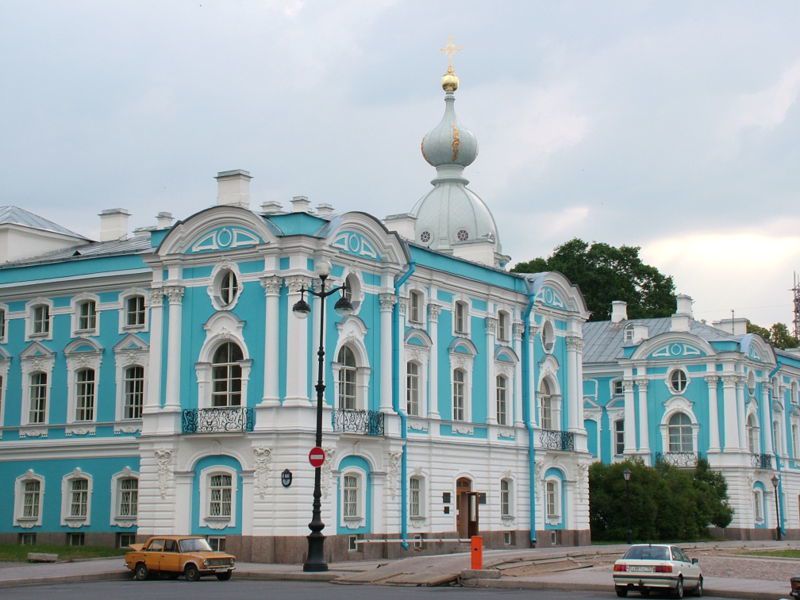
[(640, 569)]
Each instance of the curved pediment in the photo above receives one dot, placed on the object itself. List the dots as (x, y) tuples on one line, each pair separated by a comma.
[(553, 290), (673, 345), (462, 346), (82, 346), (419, 337), (506, 355), (754, 347), (363, 236)]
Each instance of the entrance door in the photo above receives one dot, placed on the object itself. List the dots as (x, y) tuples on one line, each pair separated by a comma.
[(463, 493)]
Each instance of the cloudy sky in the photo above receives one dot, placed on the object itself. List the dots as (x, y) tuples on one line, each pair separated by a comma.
[(670, 125)]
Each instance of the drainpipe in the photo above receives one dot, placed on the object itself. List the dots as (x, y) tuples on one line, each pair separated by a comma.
[(526, 411), (396, 403), (779, 491)]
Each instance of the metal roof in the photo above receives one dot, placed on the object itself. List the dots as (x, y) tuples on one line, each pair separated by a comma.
[(603, 340), (19, 216), (134, 245)]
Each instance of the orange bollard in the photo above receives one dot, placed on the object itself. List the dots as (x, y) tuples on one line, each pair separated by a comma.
[(476, 554)]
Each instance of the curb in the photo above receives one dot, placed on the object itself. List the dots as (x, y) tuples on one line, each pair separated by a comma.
[(597, 587)]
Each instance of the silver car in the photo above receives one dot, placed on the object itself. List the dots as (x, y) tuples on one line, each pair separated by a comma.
[(646, 567)]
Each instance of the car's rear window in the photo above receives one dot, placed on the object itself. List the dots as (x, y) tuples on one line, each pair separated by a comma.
[(647, 553)]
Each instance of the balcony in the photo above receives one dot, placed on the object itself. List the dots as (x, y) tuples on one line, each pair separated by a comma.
[(762, 461), (365, 422), (682, 460), (550, 439), (226, 419)]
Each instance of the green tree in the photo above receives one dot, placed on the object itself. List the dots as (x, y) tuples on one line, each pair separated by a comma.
[(606, 273), (778, 335)]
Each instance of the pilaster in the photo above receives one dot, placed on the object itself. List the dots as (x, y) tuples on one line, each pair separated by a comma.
[(296, 346), (386, 303)]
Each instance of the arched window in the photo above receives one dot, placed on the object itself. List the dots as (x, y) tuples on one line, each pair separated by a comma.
[(38, 397), (758, 505), (552, 499), (459, 391), (752, 434), (502, 400), (220, 492), (416, 307), (678, 381), (347, 379), (134, 392), (84, 394), (415, 492), (680, 433), (628, 333), (226, 376), (351, 496), (546, 400), (412, 388)]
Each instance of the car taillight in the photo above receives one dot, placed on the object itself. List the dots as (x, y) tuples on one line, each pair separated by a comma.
[(663, 568), (618, 568)]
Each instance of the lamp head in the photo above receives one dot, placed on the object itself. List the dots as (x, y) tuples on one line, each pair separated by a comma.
[(343, 307), (627, 474), (775, 481), (301, 307), (323, 268)]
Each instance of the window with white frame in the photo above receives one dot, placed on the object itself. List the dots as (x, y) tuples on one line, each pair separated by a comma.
[(552, 500), (86, 316), (416, 307), (548, 337), (459, 394), (678, 381), (619, 437), (412, 387), (31, 500), (226, 376), (506, 508), (220, 495), (628, 333), (461, 318), (680, 433), (347, 379), (751, 382), (351, 496), (758, 505), (228, 288), (795, 399), (776, 435), (618, 387), (753, 443), (127, 497), (795, 441), (84, 394), (353, 291), (133, 399), (40, 320), (502, 399), (37, 394), (135, 312), (2, 324), (503, 326), (415, 494), (78, 498), (546, 405)]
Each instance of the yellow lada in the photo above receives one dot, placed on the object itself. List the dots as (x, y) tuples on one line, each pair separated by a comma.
[(173, 555)]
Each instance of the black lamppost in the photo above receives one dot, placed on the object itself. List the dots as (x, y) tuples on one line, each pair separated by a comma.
[(775, 482), (627, 475), (315, 561)]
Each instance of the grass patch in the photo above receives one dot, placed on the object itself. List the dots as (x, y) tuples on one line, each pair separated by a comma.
[(18, 553), (773, 553)]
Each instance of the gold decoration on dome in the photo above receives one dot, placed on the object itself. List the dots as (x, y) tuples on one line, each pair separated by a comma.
[(450, 79), (456, 142)]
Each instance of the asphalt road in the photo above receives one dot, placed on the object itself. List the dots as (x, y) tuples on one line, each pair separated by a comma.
[(209, 589)]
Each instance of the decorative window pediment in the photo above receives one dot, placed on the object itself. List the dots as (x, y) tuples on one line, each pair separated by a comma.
[(227, 237)]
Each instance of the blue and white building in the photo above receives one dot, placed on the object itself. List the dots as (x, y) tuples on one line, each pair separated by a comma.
[(677, 389), (159, 382)]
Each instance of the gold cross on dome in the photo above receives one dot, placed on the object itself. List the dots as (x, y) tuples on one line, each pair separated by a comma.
[(450, 50)]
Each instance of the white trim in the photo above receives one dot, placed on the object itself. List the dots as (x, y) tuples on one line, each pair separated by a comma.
[(129, 352), (423, 307), (67, 520), (555, 517), (673, 406), (668, 379), (215, 522), (4, 364), (76, 361), (29, 315), (464, 301), (116, 519), (351, 334), (75, 304), (508, 517), (215, 283), (123, 310), (4, 331), (422, 504), (19, 520), (548, 334), (220, 328), (360, 519), (36, 357)]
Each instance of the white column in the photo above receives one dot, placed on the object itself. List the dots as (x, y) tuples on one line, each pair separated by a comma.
[(517, 331), (573, 345), (175, 296), (272, 290), (156, 341), (766, 420), (296, 347), (740, 383), (401, 361), (644, 425), (433, 367), (533, 383), (731, 413), (491, 331), (713, 421), (387, 302), (630, 418)]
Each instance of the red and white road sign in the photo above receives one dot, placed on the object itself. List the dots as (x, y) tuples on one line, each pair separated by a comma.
[(316, 457)]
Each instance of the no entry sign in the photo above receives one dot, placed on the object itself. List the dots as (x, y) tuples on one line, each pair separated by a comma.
[(316, 457)]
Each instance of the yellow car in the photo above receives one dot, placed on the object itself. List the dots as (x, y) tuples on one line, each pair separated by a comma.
[(174, 555)]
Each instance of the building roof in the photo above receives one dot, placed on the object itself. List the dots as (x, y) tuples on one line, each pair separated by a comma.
[(603, 340), (14, 215), (133, 245)]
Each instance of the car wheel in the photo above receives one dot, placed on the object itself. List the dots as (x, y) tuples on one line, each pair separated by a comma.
[(191, 572), (698, 591), (622, 591), (679, 588), (224, 576), (141, 572)]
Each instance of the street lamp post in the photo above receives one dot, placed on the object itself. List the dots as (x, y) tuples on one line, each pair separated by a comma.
[(775, 482), (627, 475), (315, 561)]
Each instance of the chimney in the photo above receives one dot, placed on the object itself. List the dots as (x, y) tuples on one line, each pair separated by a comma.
[(301, 204), (736, 326), (619, 311), (324, 210), (271, 208), (164, 220), (233, 188), (113, 224), (683, 315)]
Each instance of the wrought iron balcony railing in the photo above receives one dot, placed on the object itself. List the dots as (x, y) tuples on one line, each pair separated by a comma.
[(556, 440), (684, 460), (223, 419), (366, 422), (762, 461)]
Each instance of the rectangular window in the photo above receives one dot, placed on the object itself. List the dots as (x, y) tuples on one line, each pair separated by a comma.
[(27, 539), (41, 319), (134, 392), (2, 323), (502, 326), (352, 543), (505, 498), (458, 395), (87, 316), (124, 540), (461, 317), (75, 539), (619, 389), (347, 388), (758, 505), (412, 388), (220, 492), (78, 498), (547, 412), (508, 538), (128, 497), (350, 498), (795, 444), (84, 395), (415, 312), (552, 504), (134, 311), (619, 437), (30, 500), (217, 542), (38, 397), (415, 490), (502, 403)]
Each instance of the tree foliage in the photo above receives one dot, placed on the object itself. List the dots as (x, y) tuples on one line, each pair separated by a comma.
[(663, 502), (606, 273), (778, 335)]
